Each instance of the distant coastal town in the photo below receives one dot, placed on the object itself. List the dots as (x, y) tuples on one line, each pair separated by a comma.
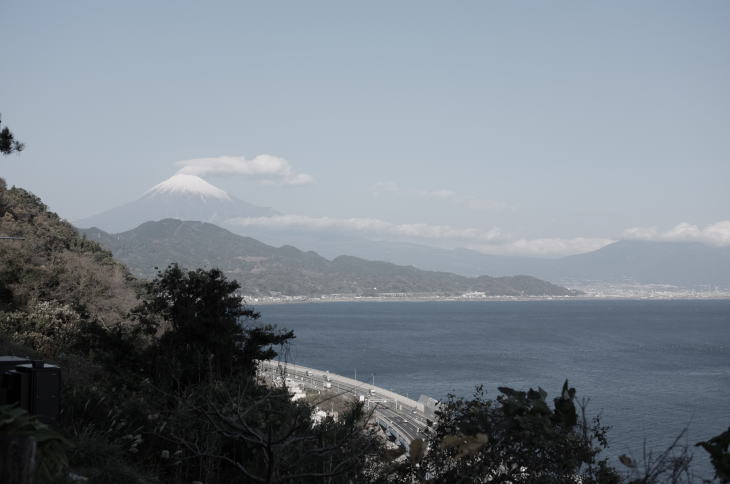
[(594, 291)]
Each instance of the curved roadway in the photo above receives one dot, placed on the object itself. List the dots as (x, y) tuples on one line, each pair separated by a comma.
[(403, 417)]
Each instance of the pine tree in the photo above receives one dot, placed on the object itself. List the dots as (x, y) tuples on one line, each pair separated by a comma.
[(8, 143)]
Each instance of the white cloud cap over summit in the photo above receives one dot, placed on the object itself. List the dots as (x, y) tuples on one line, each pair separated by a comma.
[(717, 234), (265, 168)]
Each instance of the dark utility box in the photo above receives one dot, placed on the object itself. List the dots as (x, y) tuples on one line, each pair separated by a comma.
[(36, 387), (8, 363)]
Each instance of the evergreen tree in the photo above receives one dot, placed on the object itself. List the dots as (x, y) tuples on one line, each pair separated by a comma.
[(8, 143), (204, 335)]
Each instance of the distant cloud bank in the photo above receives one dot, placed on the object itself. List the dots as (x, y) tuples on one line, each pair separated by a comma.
[(371, 225), (717, 234), (492, 241), (265, 168), (547, 247)]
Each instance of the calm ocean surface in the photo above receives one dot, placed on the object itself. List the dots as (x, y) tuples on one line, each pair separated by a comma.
[(650, 368)]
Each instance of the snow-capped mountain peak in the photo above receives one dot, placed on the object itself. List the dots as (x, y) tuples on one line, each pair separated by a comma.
[(187, 184), (183, 197)]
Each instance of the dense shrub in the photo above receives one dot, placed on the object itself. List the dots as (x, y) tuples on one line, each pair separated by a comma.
[(207, 331), (53, 263), (52, 448), (517, 438), (48, 327)]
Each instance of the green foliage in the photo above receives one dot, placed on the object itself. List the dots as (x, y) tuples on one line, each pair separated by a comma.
[(204, 337), (49, 327), (52, 448), (53, 263), (718, 447), (517, 438), (192, 407), (104, 429), (8, 143), (249, 433)]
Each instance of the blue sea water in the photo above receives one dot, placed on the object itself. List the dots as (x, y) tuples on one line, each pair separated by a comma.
[(649, 368)]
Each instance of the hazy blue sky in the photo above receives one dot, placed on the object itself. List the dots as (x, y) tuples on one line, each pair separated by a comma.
[(563, 121)]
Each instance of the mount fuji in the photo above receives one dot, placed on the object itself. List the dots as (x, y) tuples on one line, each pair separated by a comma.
[(183, 197)]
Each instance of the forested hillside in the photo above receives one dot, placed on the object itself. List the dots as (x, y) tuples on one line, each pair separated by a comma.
[(50, 262), (160, 385), (264, 270), (154, 374)]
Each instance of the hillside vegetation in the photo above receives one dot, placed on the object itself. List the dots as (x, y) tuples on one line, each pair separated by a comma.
[(155, 374), (160, 386), (263, 270), (52, 262)]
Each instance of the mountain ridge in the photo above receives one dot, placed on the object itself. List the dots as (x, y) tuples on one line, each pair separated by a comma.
[(263, 270), (686, 265), (180, 196), (690, 265)]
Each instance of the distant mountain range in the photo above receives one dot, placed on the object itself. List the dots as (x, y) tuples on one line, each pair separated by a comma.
[(264, 270), (185, 197), (188, 197), (688, 265), (682, 264)]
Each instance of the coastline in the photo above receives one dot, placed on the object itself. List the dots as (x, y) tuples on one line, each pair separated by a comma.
[(275, 300)]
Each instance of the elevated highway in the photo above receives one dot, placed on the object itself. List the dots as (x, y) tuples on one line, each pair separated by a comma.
[(400, 417)]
